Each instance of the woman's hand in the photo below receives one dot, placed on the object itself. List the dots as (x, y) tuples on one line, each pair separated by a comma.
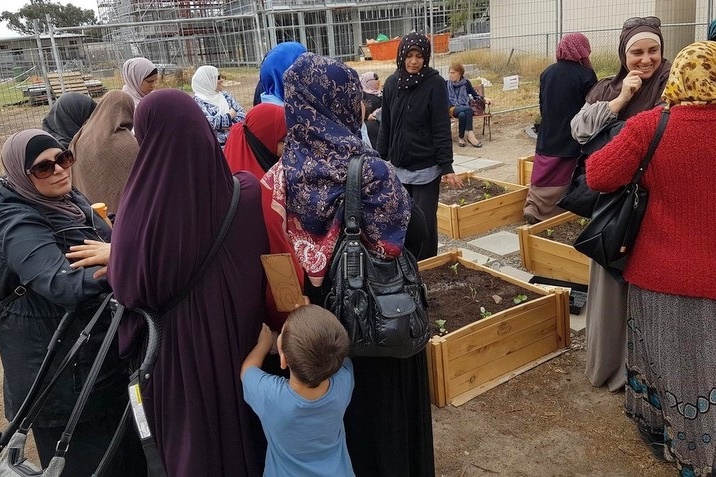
[(90, 254), (453, 180), (630, 85)]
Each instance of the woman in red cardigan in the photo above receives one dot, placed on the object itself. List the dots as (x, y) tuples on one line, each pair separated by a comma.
[(671, 321)]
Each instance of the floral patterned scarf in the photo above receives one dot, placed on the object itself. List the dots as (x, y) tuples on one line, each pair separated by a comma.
[(323, 116)]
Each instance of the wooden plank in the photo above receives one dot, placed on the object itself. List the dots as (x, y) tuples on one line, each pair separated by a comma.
[(564, 330), (73, 81), (507, 363), (436, 371), (479, 349), (461, 399), (524, 169), (497, 325)]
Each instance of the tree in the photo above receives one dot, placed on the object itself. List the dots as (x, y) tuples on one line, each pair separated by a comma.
[(61, 16), (464, 12)]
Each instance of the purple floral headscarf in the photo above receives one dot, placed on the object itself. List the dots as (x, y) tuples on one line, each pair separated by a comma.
[(323, 116)]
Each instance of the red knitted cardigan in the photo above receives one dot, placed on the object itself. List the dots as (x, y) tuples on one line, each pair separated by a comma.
[(675, 250)]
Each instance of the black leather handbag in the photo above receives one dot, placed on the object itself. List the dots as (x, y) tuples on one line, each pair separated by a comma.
[(381, 303), (578, 197), (609, 236)]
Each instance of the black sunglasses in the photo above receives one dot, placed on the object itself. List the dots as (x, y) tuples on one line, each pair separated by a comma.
[(44, 169), (639, 21)]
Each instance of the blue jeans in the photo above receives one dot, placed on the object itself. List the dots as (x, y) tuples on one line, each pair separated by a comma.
[(464, 119)]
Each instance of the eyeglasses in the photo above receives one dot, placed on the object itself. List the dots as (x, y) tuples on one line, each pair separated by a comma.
[(639, 21), (44, 169), (219, 78), (375, 76)]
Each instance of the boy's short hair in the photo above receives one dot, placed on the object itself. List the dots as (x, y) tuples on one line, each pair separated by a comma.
[(314, 344)]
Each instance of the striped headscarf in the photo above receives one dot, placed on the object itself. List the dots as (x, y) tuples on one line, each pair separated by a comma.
[(692, 79)]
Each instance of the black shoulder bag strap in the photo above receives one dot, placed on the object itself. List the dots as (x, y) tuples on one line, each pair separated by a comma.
[(140, 378), (56, 339), (353, 263), (652, 146)]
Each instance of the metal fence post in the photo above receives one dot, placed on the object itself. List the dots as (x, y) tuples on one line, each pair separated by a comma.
[(56, 53), (48, 90)]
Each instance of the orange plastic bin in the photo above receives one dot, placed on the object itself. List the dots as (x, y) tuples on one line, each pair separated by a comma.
[(384, 50), (440, 42)]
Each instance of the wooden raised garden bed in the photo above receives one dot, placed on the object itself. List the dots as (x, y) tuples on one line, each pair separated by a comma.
[(477, 357), (524, 170), (459, 221), (551, 259)]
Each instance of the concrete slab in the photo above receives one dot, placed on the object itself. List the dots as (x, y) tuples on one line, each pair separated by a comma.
[(481, 164), (500, 243), (516, 273), (578, 323)]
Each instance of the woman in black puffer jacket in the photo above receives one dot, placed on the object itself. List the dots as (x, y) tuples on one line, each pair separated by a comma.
[(41, 217)]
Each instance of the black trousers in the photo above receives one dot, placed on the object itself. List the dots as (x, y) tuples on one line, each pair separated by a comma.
[(426, 198), (88, 445)]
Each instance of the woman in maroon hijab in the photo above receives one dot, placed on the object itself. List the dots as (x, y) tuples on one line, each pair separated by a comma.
[(172, 207)]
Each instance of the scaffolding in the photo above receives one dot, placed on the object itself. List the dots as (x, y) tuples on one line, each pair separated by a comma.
[(240, 32)]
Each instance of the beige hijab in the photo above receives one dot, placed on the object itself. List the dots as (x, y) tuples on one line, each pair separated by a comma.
[(105, 149)]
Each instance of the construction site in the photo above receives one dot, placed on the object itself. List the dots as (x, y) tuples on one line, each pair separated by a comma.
[(240, 32)]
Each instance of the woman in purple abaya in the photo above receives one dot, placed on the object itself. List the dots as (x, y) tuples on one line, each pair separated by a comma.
[(172, 207)]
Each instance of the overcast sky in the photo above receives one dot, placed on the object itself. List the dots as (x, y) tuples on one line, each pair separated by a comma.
[(15, 5)]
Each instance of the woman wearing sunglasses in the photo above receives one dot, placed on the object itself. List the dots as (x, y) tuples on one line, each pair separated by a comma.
[(637, 87), (41, 217)]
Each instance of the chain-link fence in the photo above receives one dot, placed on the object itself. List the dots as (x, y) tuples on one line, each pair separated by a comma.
[(495, 39)]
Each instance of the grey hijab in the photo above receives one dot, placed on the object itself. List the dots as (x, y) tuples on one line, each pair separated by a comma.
[(13, 160)]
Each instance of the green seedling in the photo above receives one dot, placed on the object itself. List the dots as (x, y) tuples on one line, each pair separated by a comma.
[(487, 184), (583, 221), (484, 313), (454, 266), (487, 196), (441, 326), (519, 299), (550, 232), (462, 201)]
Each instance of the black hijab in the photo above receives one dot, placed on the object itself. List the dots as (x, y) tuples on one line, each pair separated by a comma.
[(67, 115)]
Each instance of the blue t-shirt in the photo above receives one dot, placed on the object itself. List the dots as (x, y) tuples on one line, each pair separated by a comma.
[(305, 438)]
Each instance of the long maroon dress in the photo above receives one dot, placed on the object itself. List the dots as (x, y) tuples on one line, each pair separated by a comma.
[(177, 195)]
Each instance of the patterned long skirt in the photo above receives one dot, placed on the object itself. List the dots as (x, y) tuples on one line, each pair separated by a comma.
[(671, 375)]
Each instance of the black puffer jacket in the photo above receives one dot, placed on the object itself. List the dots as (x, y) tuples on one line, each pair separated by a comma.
[(33, 241), (415, 125)]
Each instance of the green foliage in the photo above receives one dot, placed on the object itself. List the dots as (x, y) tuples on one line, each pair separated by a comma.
[(484, 313), (454, 266), (464, 12), (487, 195), (550, 232), (462, 201), (519, 299), (441, 326), (61, 16), (583, 221)]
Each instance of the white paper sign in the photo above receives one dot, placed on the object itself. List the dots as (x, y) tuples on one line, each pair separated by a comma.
[(510, 83)]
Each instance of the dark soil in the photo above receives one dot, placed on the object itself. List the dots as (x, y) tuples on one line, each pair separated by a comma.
[(473, 190), (565, 233), (458, 298)]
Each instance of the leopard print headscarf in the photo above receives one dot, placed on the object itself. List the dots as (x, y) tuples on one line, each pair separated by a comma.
[(692, 79)]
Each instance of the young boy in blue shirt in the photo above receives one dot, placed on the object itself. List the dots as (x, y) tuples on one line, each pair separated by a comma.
[(302, 416)]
